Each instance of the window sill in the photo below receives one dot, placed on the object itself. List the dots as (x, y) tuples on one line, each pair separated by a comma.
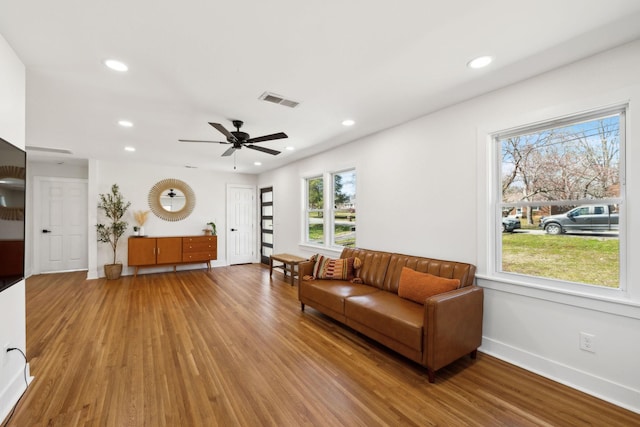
[(326, 250), (615, 302)]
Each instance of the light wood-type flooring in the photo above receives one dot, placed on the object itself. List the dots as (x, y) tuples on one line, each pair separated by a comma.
[(231, 347)]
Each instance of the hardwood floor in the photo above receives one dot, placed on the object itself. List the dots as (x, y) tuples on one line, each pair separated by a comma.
[(232, 348)]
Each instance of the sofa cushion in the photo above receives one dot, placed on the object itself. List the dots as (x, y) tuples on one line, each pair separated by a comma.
[(331, 294), (374, 265), (392, 316), (335, 269), (417, 286)]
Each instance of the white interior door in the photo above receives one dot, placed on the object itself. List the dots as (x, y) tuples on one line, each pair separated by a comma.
[(241, 224), (61, 224)]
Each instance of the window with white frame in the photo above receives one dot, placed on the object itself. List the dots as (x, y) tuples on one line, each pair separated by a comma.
[(343, 204), (334, 223), (560, 197), (314, 212)]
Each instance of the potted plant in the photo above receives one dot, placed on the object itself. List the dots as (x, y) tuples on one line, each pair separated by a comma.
[(114, 208), (212, 228)]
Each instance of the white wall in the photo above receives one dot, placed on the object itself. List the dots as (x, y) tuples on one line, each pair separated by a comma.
[(135, 181), (64, 170), (12, 300), (422, 190)]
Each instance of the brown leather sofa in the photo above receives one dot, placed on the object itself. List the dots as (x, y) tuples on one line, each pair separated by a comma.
[(447, 327)]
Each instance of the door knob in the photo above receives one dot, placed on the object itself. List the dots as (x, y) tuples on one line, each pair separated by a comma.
[(46, 231), (234, 229)]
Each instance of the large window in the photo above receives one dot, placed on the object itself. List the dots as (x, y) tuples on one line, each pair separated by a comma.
[(332, 224), (560, 198)]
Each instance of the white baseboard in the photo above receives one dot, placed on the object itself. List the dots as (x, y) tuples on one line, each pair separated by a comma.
[(602, 388), (16, 387)]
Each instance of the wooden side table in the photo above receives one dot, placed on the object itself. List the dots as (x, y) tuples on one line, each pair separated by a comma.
[(289, 263)]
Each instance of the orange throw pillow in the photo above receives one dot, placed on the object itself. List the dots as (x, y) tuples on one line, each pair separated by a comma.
[(418, 286)]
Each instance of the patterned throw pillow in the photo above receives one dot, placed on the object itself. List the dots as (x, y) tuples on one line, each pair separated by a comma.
[(418, 286), (338, 269)]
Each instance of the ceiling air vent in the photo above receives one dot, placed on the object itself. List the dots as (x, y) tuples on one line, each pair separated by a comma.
[(277, 99), (48, 150)]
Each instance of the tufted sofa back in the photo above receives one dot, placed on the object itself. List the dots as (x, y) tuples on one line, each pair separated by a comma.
[(382, 269), (374, 265)]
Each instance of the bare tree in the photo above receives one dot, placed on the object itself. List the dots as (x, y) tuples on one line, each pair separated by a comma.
[(566, 163)]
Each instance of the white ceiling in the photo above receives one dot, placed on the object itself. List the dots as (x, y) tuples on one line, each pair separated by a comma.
[(197, 61)]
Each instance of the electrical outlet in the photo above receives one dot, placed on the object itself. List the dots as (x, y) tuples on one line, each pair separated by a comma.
[(5, 356), (587, 342)]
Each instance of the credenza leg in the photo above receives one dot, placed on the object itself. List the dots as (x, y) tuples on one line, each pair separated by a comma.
[(431, 374)]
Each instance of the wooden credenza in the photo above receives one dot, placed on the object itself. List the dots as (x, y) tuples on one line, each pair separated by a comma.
[(156, 251)]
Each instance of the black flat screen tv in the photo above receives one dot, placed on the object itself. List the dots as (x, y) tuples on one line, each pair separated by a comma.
[(13, 177)]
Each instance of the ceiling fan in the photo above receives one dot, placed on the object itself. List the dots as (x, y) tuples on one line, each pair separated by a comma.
[(240, 139)]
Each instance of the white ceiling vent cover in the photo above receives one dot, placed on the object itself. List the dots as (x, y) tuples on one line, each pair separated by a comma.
[(48, 150), (277, 99)]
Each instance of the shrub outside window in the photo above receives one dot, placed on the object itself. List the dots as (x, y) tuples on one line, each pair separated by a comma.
[(560, 198)]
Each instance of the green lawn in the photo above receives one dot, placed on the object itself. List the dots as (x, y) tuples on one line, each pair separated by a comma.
[(582, 259), (316, 234)]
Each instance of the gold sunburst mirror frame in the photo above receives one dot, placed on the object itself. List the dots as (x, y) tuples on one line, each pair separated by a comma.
[(12, 213), (158, 196)]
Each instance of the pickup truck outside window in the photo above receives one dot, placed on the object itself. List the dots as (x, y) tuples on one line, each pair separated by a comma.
[(560, 196), (583, 218)]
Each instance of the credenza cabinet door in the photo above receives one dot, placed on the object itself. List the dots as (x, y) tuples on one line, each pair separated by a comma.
[(142, 251), (169, 250)]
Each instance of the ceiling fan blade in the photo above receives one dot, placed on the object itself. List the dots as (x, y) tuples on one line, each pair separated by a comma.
[(229, 152), (223, 131), (197, 140), (279, 135), (264, 150)]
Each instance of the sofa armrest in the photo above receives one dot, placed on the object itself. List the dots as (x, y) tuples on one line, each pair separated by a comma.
[(305, 268), (452, 326)]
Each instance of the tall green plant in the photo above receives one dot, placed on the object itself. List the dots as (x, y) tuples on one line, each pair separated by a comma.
[(114, 208)]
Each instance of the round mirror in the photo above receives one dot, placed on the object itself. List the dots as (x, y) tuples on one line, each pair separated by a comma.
[(12, 187), (172, 200)]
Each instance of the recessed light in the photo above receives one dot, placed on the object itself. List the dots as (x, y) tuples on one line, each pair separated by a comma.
[(290, 148), (116, 65), (125, 123), (257, 163), (129, 148), (348, 122), (480, 62)]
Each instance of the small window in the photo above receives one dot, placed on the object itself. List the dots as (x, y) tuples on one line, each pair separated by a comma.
[(344, 209), (331, 224), (314, 218), (563, 183)]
